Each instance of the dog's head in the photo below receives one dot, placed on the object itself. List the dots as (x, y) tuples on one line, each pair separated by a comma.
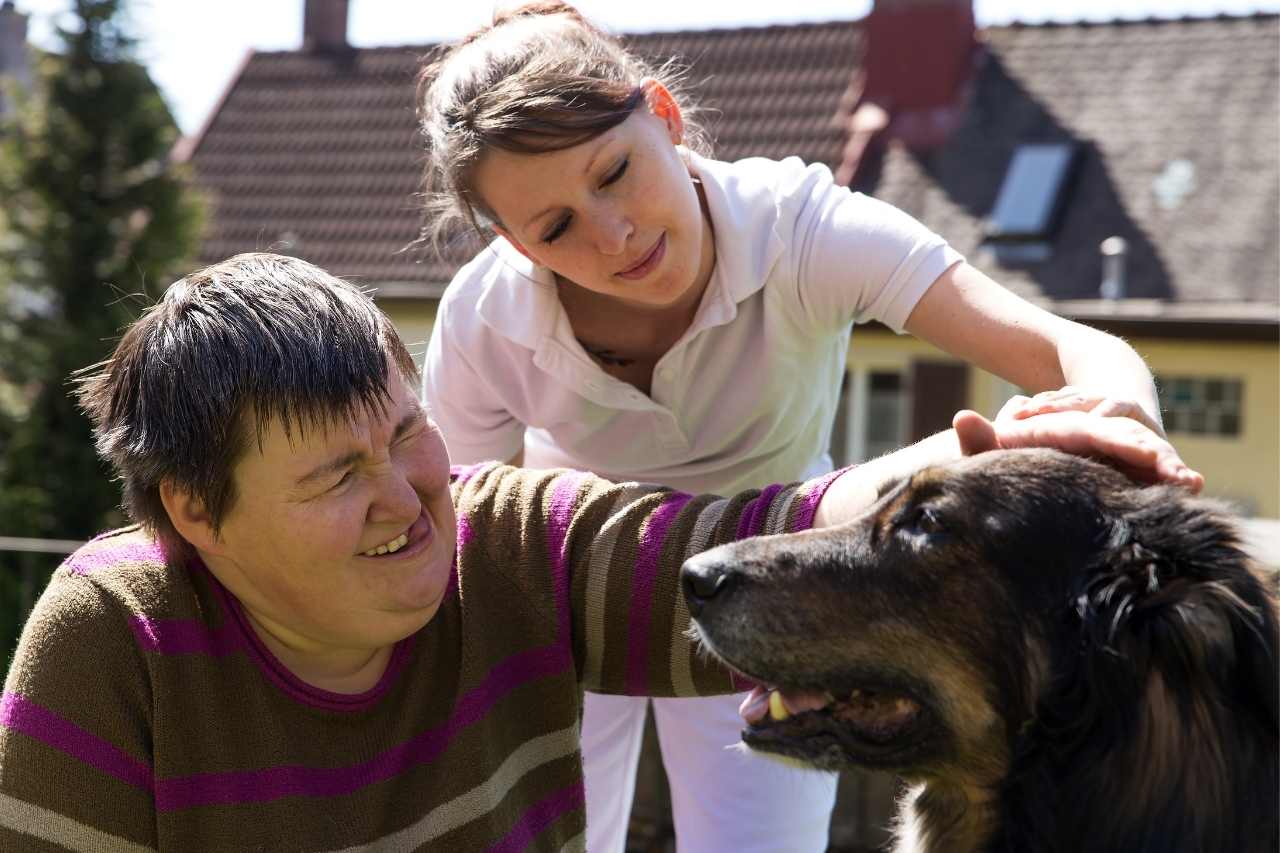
[(925, 636)]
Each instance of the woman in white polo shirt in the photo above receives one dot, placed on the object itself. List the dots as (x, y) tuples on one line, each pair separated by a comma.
[(648, 313)]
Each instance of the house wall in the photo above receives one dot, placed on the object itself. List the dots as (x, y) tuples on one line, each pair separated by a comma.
[(413, 319), (1243, 469)]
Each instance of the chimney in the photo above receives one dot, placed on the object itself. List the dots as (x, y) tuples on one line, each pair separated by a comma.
[(917, 65), (1113, 251), (13, 40), (324, 26), (14, 61)]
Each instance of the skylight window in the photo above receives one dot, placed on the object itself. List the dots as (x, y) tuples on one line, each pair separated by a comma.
[(1019, 228)]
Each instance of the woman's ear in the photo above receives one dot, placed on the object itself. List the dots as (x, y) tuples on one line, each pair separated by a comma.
[(189, 517), (515, 244), (663, 105)]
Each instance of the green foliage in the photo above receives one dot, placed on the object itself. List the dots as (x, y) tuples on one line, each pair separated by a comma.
[(93, 216)]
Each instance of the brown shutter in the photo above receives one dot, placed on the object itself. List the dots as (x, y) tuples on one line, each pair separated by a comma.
[(938, 390)]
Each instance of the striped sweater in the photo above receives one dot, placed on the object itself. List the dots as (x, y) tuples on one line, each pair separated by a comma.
[(141, 711)]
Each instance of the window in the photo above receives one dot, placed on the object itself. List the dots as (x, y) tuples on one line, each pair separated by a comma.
[(1020, 226), (1201, 405), (873, 417)]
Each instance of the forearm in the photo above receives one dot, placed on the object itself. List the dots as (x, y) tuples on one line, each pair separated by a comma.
[(1103, 364), (859, 487)]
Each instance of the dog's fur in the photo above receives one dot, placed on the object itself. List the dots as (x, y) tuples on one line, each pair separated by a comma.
[(1052, 657)]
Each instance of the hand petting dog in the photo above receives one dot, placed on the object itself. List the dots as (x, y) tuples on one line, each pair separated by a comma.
[(1125, 443)]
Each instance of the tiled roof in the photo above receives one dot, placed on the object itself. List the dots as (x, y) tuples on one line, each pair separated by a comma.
[(769, 91), (322, 152), (318, 155), (1137, 97)]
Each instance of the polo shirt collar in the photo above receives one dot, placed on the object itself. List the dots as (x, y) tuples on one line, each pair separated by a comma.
[(517, 297), (744, 212)]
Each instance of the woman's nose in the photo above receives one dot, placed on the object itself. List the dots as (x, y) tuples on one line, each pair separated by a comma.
[(397, 499), (612, 230)]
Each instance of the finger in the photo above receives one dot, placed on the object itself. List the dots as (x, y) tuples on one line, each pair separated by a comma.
[(1065, 399), (1083, 434), (1112, 408), (1012, 406), (974, 432)]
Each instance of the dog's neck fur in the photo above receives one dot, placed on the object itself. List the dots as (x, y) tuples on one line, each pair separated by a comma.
[(943, 817), (1156, 784)]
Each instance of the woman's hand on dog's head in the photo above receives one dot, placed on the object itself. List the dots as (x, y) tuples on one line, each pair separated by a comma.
[(1069, 398), (1123, 442)]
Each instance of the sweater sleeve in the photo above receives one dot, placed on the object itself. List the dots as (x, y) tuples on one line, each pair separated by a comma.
[(613, 554), (75, 757)]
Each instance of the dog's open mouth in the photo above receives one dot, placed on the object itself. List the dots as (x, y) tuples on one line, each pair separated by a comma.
[(832, 730)]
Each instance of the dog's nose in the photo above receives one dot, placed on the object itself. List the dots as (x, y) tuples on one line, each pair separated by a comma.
[(703, 578)]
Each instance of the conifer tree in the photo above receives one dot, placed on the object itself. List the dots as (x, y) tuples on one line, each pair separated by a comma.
[(93, 217)]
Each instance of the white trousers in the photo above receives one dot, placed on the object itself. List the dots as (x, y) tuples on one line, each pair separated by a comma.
[(722, 798)]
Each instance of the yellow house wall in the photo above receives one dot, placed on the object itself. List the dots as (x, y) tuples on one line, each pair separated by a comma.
[(1244, 469), (413, 320)]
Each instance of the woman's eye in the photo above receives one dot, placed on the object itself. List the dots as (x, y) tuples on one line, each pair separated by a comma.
[(616, 173), (346, 478), (556, 230)]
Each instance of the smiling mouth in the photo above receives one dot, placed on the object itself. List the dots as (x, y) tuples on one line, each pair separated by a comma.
[(389, 547), (646, 264), (406, 542)]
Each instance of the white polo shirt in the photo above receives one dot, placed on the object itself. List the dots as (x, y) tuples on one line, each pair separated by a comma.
[(746, 397)]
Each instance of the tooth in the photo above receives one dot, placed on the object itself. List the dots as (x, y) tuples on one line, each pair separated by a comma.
[(777, 710)]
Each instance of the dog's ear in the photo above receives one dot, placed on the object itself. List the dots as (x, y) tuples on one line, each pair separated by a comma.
[(1175, 591)]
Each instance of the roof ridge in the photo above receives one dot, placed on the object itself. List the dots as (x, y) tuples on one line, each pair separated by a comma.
[(1125, 22)]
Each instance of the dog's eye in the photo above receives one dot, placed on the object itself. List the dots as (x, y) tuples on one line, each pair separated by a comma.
[(926, 520)]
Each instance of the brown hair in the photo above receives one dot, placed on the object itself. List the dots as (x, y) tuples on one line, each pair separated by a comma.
[(539, 78), (235, 346)]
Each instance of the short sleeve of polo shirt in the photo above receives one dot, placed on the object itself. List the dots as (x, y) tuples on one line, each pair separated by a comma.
[(854, 257), (460, 398)]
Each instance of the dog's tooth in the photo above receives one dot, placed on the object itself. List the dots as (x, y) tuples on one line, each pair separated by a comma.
[(777, 710)]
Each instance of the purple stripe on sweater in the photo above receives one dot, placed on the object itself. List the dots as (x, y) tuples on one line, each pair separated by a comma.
[(82, 563), (564, 498), (461, 473), (273, 783), (20, 714), (186, 637), (642, 582), (808, 502), (466, 533), (539, 817), (751, 522)]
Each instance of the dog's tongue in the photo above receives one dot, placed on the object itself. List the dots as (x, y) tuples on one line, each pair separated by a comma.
[(757, 704)]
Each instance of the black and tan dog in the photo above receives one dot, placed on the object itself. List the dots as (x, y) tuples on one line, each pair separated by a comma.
[(1053, 658)]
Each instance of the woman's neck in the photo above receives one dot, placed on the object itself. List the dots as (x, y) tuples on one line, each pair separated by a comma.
[(338, 670)]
